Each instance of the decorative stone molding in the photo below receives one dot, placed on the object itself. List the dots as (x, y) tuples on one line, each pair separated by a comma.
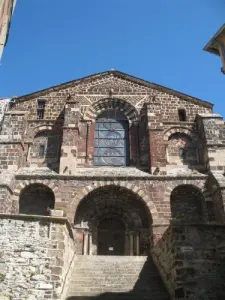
[(136, 190), (173, 130), (124, 106), (16, 193)]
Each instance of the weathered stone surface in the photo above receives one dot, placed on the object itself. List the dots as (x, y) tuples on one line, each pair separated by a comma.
[(122, 277), (174, 170), (27, 274)]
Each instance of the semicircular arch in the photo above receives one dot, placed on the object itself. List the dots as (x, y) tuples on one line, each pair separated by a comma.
[(102, 105), (26, 183), (72, 209), (175, 130)]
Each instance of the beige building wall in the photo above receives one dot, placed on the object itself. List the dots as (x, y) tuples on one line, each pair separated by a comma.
[(6, 11)]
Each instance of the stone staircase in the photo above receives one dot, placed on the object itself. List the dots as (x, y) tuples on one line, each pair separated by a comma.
[(115, 277)]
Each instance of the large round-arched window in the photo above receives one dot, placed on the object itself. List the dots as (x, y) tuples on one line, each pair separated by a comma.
[(111, 139)]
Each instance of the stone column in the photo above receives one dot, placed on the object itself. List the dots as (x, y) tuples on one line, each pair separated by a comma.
[(94, 242), (131, 243), (90, 143), (127, 243), (68, 159), (137, 143), (85, 243), (157, 146), (90, 243), (137, 240)]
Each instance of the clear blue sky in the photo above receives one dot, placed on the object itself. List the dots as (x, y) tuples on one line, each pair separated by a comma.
[(54, 41)]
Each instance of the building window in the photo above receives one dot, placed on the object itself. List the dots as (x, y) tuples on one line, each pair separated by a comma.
[(182, 115), (111, 139), (41, 151), (40, 109)]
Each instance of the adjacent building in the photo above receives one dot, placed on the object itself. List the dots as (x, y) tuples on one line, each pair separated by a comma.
[(217, 46), (6, 11)]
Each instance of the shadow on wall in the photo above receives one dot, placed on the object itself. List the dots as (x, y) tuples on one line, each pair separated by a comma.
[(187, 204), (113, 205), (148, 286), (54, 144), (182, 150), (203, 279), (36, 199), (45, 150)]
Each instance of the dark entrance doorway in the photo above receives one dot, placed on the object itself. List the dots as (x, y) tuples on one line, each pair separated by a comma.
[(111, 237)]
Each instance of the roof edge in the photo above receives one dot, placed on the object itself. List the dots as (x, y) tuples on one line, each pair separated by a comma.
[(119, 74), (209, 47)]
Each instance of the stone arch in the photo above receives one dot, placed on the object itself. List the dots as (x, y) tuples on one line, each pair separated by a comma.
[(198, 185), (174, 130), (114, 205), (32, 132), (41, 128), (36, 199), (187, 202), (181, 150), (111, 103), (132, 187), (17, 191)]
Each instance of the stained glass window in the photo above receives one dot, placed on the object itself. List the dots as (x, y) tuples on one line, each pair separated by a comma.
[(111, 139)]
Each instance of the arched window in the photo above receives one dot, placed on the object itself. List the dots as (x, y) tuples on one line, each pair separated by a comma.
[(111, 139)]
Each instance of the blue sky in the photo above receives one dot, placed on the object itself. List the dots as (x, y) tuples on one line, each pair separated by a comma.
[(54, 41)]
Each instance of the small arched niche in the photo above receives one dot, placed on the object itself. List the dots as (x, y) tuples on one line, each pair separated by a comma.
[(36, 199), (45, 149), (186, 203), (181, 150)]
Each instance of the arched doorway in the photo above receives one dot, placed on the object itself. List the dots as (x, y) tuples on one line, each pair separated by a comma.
[(113, 221), (111, 236), (36, 199)]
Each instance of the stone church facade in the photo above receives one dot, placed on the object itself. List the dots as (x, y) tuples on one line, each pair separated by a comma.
[(111, 165)]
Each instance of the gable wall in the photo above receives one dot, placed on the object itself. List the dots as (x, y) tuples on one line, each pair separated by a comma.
[(88, 93), (162, 106)]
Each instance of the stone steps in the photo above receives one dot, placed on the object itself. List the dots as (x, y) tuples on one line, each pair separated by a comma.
[(115, 277)]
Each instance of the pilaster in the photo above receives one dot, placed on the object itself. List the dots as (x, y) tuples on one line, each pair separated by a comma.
[(69, 148)]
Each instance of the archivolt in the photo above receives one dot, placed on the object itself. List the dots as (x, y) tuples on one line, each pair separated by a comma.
[(173, 130), (140, 193), (25, 183), (98, 107)]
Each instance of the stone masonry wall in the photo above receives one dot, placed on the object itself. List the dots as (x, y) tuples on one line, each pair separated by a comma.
[(214, 136), (154, 190), (89, 93), (200, 262), (191, 261), (35, 254), (164, 257), (11, 141), (98, 87)]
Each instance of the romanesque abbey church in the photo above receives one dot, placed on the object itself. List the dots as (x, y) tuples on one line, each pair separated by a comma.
[(111, 188)]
